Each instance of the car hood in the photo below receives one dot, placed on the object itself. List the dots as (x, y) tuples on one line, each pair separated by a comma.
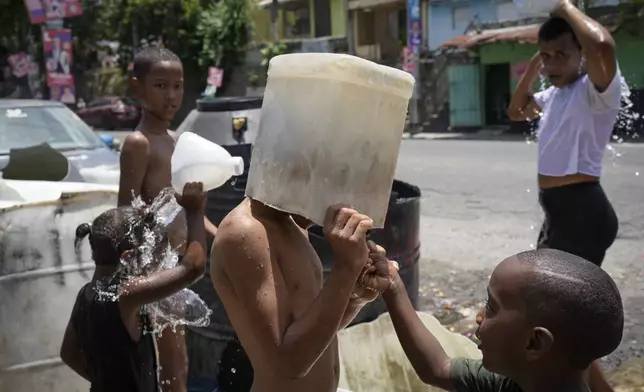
[(97, 165), (92, 158)]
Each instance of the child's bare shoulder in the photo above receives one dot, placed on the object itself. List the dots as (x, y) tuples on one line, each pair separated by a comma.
[(173, 134), (135, 142)]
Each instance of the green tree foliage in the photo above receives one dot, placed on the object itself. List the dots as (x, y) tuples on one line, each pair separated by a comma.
[(15, 26), (202, 32), (225, 28)]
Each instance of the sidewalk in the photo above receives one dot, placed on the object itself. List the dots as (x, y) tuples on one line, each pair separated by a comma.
[(492, 135), (480, 135)]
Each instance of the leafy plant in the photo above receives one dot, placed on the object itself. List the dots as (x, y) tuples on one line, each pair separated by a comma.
[(271, 50), (253, 78), (225, 30)]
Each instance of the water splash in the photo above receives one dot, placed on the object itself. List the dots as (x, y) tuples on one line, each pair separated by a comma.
[(154, 255)]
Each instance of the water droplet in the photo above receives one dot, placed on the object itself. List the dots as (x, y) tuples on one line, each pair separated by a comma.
[(233, 370), (637, 174), (528, 190)]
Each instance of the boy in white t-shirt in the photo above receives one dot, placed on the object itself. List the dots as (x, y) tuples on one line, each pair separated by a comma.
[(578, 114)]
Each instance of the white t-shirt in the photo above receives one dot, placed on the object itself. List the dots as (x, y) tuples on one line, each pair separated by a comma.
[(576, 126)]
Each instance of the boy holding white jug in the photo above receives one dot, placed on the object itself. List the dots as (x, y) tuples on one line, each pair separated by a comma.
[(578, 113), (157, 83)]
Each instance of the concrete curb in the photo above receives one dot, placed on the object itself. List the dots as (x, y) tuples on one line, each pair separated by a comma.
[(487, 135)]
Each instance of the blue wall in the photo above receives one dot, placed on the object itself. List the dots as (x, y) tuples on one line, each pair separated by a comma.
[(441, 17)]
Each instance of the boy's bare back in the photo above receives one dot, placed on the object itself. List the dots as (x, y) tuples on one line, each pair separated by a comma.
[(267, 283)]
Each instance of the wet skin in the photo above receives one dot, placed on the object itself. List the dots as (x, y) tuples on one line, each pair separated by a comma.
[(145, 171), (270, 280)]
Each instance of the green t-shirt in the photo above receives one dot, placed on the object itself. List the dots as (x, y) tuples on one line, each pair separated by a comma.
[(469, 375)]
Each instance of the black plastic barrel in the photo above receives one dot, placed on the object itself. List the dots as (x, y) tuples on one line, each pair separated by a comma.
[(400, 237)]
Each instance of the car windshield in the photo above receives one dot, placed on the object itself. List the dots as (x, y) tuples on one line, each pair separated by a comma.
[(58, 126)]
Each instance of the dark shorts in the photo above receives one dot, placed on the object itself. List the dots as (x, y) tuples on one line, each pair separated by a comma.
[(579, 220)]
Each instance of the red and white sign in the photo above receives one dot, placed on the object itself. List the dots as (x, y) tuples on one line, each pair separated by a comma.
[(45, 10), (215, 76), (57, 45), (20, 64), (409, 60)]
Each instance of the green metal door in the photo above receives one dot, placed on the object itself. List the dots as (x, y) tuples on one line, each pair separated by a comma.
[(465, 108)]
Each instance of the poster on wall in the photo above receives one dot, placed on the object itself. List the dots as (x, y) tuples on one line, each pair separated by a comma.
[(215, 76), (19, 63), (45, 10), (64, 94), (57, 46), (414, 27), (409, 60)]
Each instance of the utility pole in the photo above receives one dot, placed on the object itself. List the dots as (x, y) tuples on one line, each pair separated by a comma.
[(349, 27), (274, 14)]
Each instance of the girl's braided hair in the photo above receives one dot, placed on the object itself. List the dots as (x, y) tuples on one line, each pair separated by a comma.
[(115, 231)]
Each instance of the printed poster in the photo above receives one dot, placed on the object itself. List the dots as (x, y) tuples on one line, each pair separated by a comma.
[(414, 28), (215, 76), (20, 64), (409, 60), (64, 94), (57, 46), (45, 10)]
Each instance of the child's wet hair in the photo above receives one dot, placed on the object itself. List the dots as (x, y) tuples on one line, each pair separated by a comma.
[(554, 28), (577, 301), (146, 58), (114, 232)]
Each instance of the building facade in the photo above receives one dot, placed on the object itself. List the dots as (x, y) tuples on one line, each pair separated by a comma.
[(451, 18), (480, 91)]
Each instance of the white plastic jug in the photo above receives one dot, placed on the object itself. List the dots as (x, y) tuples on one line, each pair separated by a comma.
[(330, 131), (197, 159), (537, 7)]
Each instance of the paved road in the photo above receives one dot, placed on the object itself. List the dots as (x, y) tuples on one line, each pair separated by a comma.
[(479, 206)]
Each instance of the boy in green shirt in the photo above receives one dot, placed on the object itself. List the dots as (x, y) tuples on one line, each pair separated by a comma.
[(549, 315)]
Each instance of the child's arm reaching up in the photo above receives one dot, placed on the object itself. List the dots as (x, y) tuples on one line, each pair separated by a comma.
[(137, 292), (431, 363)]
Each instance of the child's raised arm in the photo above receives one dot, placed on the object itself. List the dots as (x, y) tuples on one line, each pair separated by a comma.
[(137, 292), (431, 363)]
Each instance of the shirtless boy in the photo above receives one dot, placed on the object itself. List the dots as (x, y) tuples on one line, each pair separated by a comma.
[(269, 278), (579, 112), (157, 83), (549, 314)]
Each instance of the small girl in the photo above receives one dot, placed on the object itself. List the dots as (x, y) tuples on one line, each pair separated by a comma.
[(106, 341)]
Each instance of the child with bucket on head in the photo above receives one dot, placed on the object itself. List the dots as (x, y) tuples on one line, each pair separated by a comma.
[(107, 340), (157, 83), (549, 315)]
